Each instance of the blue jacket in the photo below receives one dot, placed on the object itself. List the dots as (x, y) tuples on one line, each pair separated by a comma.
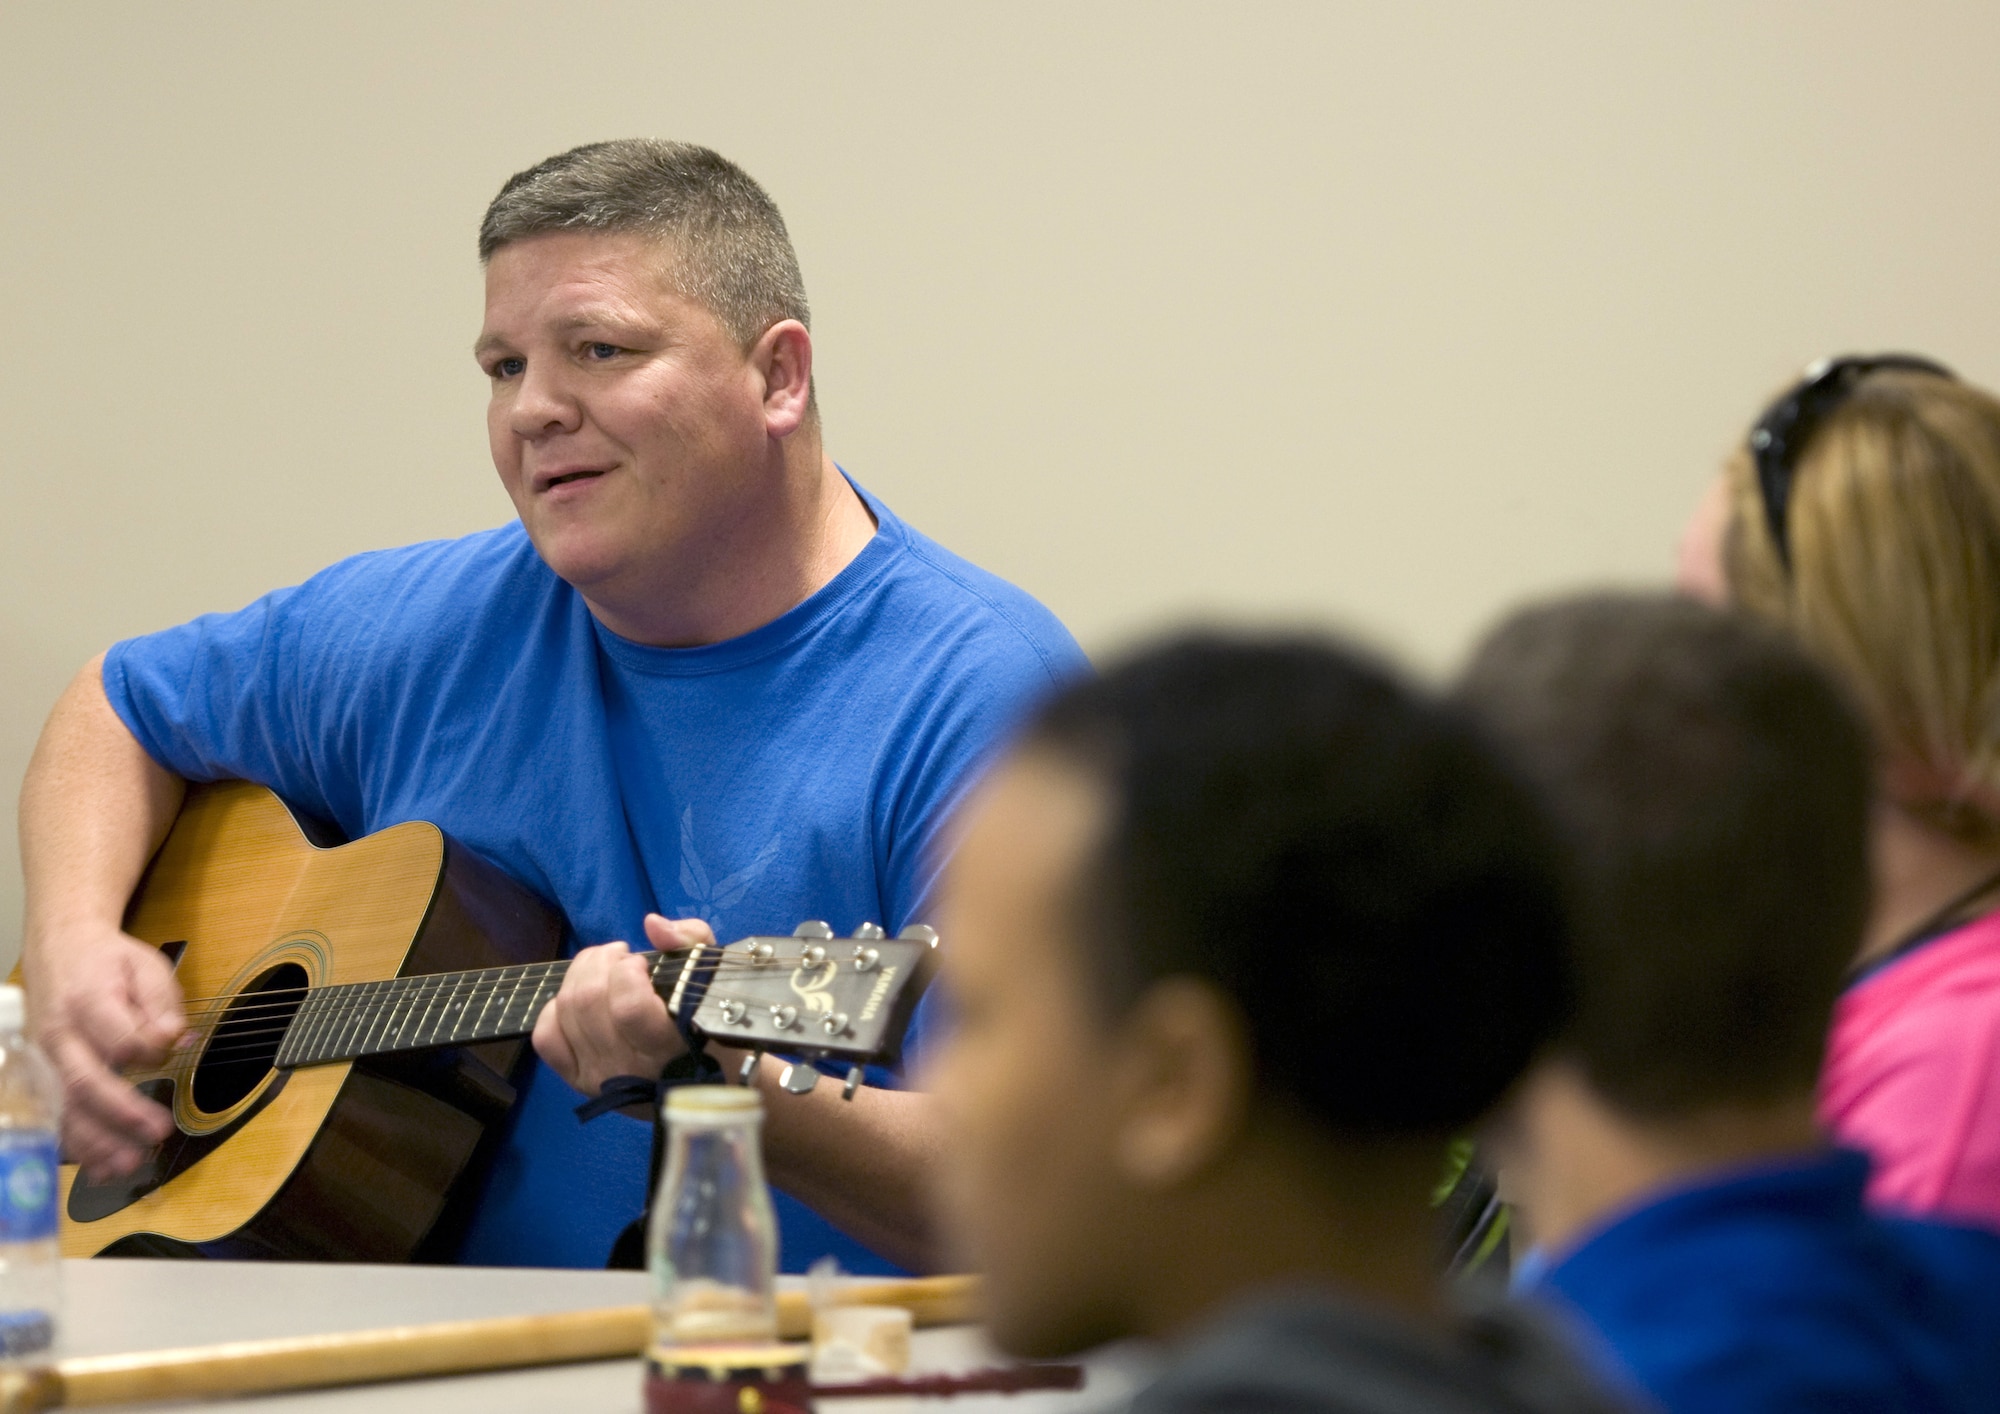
[(1771, 1288)]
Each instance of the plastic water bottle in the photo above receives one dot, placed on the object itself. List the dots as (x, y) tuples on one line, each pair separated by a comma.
[(30, 1259)]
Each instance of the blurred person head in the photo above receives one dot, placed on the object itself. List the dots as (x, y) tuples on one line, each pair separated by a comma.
[(1711, 784), (1880, 551), (1241, 933)]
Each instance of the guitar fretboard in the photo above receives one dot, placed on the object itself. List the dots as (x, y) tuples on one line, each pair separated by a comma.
[(358, 1019)]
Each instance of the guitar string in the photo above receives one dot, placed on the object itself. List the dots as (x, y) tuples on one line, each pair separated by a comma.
[(238, 1041), (340, 1002), (802, 1041), (221, 1000), (408, 1001), (279, 998), (727, 956), (416, 998), (236, 1030), (404, 1013), (266, 1054)]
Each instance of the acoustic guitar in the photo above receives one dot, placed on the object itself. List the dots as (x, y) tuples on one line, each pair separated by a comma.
[(358, 1017)]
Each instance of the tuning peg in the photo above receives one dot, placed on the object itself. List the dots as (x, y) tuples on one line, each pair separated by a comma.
[(869, 932), (813, 928), (733, 1011), (784, 1016), (799, 1078), (866, 958), (855, 1075), (835, 1025), (814, 957), (762, 951), (920, 933), (748, 1068)]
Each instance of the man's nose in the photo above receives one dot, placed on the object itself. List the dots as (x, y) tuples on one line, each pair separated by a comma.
[(543, 404)]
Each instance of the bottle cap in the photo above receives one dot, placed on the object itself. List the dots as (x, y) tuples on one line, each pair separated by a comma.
[(13, 1008), (712, 1104)]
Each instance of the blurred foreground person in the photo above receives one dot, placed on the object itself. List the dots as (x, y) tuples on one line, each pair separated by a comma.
[(1863, 515), (1240, 934), (1713, 787)]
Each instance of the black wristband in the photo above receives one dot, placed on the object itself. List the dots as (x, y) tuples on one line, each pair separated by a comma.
[(622, 1091), (617, 1093)]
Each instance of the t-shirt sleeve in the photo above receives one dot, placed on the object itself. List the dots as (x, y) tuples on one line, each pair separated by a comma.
[(971, 714), (236, 696)]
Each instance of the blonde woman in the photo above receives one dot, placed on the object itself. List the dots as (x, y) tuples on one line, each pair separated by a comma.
[(1863, 513)]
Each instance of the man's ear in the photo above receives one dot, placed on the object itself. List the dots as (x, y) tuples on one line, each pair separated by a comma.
[(783, 357), (1185, 1082)]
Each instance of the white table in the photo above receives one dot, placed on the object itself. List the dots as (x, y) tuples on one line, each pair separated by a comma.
[(115, 1305)]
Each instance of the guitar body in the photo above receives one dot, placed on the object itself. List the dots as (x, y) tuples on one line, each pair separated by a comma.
[(353, 1160)]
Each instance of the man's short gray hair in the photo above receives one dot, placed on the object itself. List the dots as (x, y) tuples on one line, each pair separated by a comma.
[(727, 244)]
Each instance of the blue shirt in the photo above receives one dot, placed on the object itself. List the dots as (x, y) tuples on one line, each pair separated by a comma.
[(800, 771), (1771, 1289)]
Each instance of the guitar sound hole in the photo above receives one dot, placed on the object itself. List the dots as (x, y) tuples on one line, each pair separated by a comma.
[(245, 1042)]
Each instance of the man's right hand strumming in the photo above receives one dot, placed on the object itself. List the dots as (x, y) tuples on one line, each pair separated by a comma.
[(103, 1001), (94, 807)]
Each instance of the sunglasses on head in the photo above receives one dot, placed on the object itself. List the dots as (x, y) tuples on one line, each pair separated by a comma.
[(1781, 434)]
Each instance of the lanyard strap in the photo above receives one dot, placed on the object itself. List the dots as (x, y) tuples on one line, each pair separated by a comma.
[(1944, 920)]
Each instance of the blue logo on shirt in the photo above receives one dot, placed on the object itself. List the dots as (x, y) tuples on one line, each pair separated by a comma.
[(710, 899)]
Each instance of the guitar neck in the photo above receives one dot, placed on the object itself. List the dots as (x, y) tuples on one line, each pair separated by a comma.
[(357, 1019)]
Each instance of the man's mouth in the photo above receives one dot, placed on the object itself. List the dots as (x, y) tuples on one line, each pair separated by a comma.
[(564, 478)]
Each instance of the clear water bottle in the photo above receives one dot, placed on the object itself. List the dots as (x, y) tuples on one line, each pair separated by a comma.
[(712, 1243), (30, 1259)]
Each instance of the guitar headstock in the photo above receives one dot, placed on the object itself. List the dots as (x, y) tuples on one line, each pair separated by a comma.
[(812, 994)]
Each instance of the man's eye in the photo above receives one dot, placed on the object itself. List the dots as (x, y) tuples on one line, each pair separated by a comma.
[(506, 368), (602, 350)]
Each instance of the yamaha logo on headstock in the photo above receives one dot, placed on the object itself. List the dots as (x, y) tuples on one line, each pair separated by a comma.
[(878, 993)]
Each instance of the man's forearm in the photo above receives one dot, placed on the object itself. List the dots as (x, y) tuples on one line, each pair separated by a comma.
[(94, 807), (863, 1164)]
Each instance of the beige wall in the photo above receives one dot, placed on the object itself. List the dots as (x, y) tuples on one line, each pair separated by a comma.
[(1386, 315)]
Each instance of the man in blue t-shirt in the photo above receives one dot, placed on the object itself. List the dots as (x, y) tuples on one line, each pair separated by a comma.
[(1690, 1223), (706, 683)]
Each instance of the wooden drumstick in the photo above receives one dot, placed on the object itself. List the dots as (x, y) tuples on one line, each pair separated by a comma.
[(407, 1352)]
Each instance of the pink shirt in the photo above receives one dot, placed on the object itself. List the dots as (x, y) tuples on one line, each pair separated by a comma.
[(1913, 1076)]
